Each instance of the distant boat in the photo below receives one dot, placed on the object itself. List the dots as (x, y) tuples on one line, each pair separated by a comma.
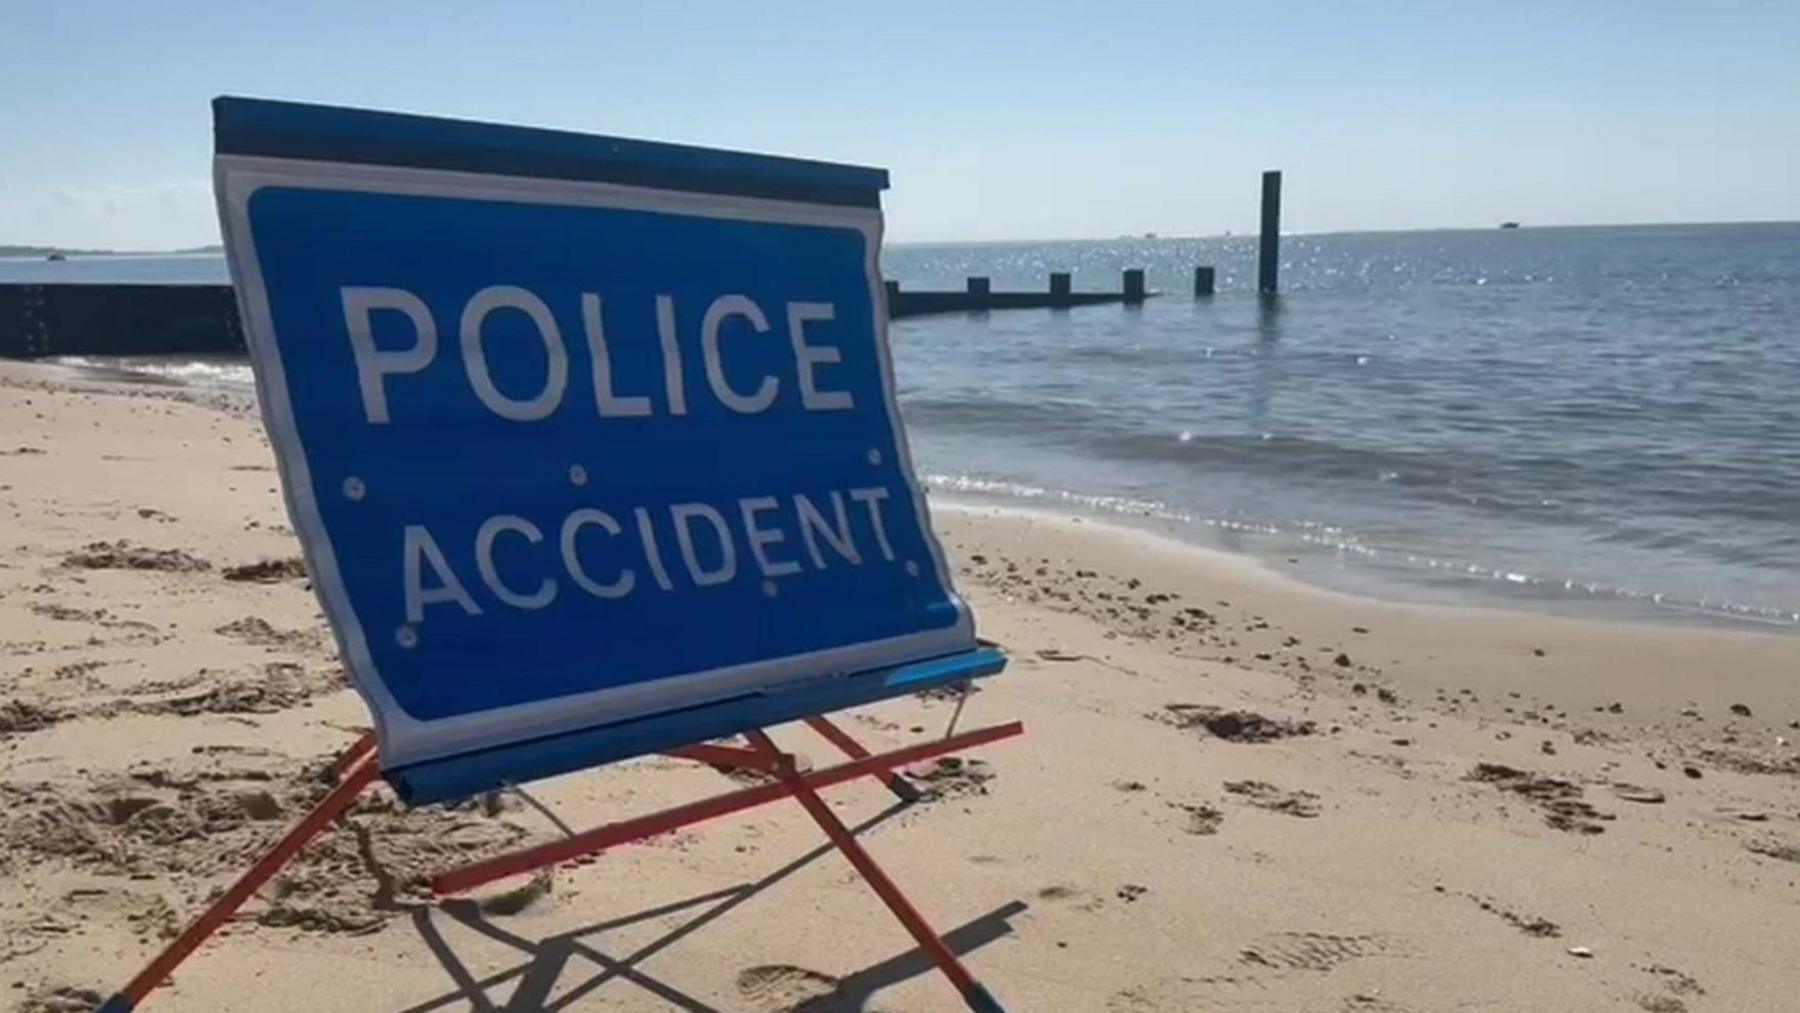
[(56, 256), (1509, 225), (1149, 235)]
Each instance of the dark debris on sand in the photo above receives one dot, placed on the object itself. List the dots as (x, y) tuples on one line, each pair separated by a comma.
[(1233, 725), (123, 555), (950, 777), (1560, 801), (268, 571), (1778, 851), (1203, 820), (952, 692), (1541, 928), (1263, 795), (25, 716), (1745, 762)]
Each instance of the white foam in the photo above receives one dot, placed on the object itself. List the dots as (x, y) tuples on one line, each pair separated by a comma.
[(1345, 543), (199, 372)]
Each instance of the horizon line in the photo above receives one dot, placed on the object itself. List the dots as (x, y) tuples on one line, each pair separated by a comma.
[(35, 248)]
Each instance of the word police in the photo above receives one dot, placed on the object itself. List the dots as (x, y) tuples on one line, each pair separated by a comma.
[(375, 365)]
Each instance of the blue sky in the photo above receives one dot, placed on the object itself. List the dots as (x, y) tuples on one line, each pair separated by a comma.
[(998, 122)]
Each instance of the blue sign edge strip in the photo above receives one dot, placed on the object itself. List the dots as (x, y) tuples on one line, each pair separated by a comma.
[(472, 773), (296, 130)]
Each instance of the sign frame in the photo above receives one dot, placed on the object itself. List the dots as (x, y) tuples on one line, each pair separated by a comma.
[(273, 144)]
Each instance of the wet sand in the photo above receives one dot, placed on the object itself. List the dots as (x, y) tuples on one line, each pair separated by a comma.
[(1236, 792)]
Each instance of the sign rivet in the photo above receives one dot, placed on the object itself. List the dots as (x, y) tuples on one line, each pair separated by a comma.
[(577, 474), (354, 490), (912, 568), (406, 637), (770, 589), (874, 456)]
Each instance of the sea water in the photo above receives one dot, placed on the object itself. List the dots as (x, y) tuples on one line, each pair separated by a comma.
[(1581, 420)]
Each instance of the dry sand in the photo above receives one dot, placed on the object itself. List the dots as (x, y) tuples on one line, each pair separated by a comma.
[(1236, 792)]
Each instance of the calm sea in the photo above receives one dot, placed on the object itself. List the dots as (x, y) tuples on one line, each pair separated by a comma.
[(1581, 420)]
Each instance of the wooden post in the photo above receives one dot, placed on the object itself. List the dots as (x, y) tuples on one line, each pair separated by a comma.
[(1269, 248), (979, 289), (1134, 285), (1203, 281), (1060, 287), (893, 293)]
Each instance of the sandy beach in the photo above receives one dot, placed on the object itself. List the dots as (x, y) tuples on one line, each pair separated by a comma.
[(1236, 791)]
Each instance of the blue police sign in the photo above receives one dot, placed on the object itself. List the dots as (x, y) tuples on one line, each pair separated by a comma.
[(575, 430)]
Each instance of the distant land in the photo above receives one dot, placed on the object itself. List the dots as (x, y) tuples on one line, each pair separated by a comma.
[(69, 251), (1241, 237)]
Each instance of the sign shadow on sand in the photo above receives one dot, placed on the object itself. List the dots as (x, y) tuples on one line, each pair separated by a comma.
[(549, 958)]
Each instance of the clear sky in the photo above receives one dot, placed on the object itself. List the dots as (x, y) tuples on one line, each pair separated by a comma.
[(1045, 120)]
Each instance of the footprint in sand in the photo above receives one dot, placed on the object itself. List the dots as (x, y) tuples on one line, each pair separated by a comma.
[(61, 999), (1311, 951), (150, 916), (1182, 993), (783, 987), (1369, 1002), (256, 631)]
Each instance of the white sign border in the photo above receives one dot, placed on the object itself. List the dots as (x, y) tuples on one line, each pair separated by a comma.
[(405, 739)]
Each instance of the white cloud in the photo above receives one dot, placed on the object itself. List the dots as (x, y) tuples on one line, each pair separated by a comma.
[(160, 215)]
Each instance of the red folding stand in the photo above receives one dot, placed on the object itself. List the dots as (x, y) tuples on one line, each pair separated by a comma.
[(358, 766)]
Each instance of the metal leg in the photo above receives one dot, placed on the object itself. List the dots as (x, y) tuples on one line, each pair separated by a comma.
[(359, 766), (853, 749), (363, 746), (610, 835), (722, 756), (272, 861), (978, 998)]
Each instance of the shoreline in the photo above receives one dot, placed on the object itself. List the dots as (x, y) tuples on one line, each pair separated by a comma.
[(1324, 568), (1237, 790), (1168, 535), (1377, 575), (1546, 655)]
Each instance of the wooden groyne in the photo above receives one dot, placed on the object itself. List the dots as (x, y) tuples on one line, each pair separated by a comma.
[(978, 296), (79, 319), (38, 320), (68, 318)]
